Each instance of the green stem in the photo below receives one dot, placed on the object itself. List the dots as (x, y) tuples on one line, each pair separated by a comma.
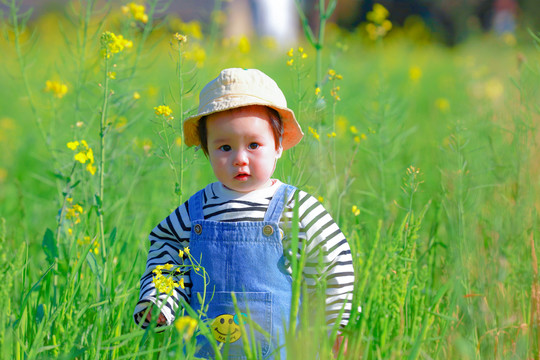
[(181, 105), (324, 14), (59, 224), (102, 133)]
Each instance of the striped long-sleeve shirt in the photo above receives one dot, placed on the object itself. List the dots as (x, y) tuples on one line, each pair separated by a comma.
[(316, 228)]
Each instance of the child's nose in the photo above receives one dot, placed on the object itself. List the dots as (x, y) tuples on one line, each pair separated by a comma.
[(240, 159)]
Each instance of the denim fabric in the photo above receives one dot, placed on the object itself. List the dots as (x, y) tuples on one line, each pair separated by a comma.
[(245, 258)]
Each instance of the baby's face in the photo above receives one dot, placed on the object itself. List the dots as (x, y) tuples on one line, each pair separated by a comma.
[(241, 148)]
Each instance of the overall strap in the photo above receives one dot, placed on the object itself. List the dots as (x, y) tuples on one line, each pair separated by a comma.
[(195, 204), (280, 198)]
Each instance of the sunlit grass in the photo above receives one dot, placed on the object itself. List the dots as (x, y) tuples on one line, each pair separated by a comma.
[(426, 156)]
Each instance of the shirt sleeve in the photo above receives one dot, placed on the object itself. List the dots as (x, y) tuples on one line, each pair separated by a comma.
[(166, 240), (328, 257)]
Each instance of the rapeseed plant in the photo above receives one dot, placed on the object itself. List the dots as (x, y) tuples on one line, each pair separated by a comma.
[(85, 154), (113, 44), (186, 326), (378, 25), (57, 88), (137, 12)]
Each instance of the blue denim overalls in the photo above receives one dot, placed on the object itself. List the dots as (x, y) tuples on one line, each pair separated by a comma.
[(246, 258)]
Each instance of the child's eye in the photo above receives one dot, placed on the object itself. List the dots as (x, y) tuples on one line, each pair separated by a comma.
[(225, 148), (253, 146)]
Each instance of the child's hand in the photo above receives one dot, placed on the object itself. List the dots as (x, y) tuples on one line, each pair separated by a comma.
[(341, 341), (161, 320)]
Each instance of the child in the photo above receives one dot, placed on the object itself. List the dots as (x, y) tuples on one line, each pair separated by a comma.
[(239, 226)]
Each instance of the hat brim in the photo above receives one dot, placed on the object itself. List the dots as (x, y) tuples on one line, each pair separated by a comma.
[(292, 133)]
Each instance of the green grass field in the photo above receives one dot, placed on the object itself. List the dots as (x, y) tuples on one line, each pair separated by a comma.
[(426, 156)]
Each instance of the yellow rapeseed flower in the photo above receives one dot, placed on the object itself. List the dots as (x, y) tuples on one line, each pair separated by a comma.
[(178, 141), (197, 54), (57, 88), (313, 132), (415, 73), (180, 38), (387, 25), (181, 253), (290, 62), (81, 157), (138, 12), (290, 53), (353, 129), (320, 198), (332, 134), (378, 24), (73, 213), (341, 124), (317, 91), (163, 110), (186, 250), (165, 284), (355, 210), (192, 28), (84, 155), (244, 45), (332, 75), (335, 93), (442, 104), (186, 326), (378, 14), (111, 75), (136, 95), (113, 44), (91, 168)]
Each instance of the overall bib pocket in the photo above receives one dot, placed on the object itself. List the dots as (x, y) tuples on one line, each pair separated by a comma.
[(255, 313)]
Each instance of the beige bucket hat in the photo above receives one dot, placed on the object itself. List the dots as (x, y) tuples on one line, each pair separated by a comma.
[(236, 87)]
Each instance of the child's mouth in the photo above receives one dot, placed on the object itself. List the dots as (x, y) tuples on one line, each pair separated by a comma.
[(242, 177)]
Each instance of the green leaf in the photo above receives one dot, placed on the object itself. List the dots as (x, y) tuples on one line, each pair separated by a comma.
[(40, 313), (95, 267), (112, 235), (49, 245), (177, 189), (98, 201), (33, 288)]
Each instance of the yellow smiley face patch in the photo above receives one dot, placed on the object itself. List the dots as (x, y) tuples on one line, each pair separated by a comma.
[(224, 326)]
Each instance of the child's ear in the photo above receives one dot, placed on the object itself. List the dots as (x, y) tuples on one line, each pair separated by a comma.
[(279, 152)]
